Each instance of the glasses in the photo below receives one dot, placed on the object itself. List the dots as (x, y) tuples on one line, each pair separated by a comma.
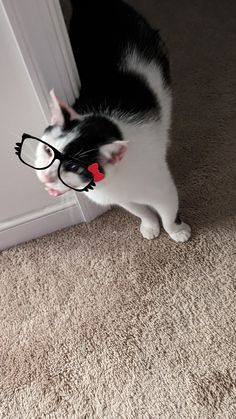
[(69, 168)]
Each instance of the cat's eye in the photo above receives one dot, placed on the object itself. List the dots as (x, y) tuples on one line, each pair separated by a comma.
[(74, 168), (30, 154), (81, 170), (48, 150)]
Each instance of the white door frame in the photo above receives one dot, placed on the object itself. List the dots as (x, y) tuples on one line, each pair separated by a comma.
[(41, 35)]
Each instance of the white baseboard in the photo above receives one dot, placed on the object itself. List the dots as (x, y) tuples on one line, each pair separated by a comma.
[(43, 44), (46, 220), (39, 223)]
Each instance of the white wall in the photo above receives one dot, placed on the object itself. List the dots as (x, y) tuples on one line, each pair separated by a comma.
[(20, 111), (35, 57)]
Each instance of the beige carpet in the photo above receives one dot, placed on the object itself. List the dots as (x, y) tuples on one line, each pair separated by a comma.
[(96, 322)]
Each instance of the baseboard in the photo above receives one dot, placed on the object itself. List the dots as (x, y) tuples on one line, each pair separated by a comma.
[(39, 223), (46, 220)]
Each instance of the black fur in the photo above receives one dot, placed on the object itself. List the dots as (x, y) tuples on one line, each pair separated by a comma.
[(92, 133), (178, 219), (101, 31)]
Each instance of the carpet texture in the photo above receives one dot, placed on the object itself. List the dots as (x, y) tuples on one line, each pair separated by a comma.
[(98, 323)]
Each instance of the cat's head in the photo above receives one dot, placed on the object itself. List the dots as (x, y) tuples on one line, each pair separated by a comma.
[(88, 139)]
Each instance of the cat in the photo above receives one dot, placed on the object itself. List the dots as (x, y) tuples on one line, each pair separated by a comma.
[(122, 117)]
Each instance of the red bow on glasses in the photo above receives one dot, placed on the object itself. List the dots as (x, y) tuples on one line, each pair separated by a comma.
[(97, 175)]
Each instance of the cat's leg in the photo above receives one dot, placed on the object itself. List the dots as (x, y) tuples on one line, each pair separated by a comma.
[(150, 227), (165, 201)]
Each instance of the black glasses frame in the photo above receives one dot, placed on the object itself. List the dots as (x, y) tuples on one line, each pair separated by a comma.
[(57, 156)]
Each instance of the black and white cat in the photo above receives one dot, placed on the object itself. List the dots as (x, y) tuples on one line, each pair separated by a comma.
[(121, 118)]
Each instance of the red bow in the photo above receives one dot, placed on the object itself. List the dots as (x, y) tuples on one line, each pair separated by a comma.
[(97, 175)]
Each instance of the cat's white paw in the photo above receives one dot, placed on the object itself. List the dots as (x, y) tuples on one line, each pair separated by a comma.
[(150, 232), (183, 234)]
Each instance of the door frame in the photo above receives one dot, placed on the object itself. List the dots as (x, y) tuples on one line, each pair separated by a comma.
[(41, 36)]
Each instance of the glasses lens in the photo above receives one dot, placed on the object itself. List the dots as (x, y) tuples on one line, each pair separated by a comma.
[(74, 175), (36, 154)]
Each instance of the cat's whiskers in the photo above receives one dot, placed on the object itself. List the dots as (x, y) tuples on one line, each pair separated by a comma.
[(78, 153), (86, 152)]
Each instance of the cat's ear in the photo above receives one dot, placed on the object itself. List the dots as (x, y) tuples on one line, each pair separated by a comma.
[(69, 110), (57, 114), (114, 152), (61, 112)]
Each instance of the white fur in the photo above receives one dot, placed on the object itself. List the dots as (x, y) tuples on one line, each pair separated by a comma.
[(141, 179)]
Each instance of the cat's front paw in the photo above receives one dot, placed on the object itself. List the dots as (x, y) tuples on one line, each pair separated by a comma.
[(183, 234), (150, 232)]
